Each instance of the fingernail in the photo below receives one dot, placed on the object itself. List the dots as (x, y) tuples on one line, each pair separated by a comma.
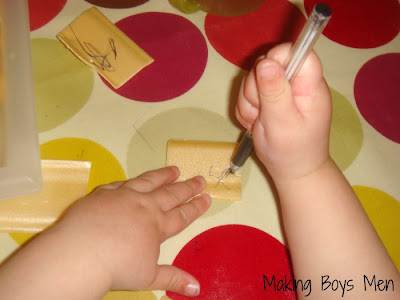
[(261, 57), (192, 289), (268, 70), (201, 180), (175, 169), (206, 197)]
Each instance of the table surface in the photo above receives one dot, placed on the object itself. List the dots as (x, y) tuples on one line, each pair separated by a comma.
[(189, 93)]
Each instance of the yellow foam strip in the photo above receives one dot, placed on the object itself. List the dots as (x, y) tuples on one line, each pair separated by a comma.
[(63, 183), (210, 160), (99, 43)]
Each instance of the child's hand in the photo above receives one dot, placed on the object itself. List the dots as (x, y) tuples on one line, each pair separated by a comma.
[(290, 123), (290, 126), (123, 224)]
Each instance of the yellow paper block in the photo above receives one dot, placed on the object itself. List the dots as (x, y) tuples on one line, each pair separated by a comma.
[(63, 183), (99, 43), (210, 160)]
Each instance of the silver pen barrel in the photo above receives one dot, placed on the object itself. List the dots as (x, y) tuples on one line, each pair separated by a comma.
[(308, 37), (298, 54)]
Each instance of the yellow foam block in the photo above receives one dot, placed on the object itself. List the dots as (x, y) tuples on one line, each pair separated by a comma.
[(99, 43), (210, 160), (63, 183)]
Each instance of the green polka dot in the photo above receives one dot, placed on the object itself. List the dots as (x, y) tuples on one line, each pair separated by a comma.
[(185, 6), (346, 134), (148, 147), (63, 83)]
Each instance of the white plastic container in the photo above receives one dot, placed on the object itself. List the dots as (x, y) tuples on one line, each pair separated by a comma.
[(20, 167)]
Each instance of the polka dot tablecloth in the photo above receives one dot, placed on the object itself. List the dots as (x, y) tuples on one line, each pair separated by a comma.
[(189, 92)]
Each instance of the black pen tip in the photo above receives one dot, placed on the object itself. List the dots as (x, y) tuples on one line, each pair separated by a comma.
[(323, 10)]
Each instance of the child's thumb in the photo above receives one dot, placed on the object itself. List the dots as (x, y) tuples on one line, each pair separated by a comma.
[(274, 91), (175, 280)]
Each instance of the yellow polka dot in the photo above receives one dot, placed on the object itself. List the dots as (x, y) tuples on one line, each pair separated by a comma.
[(21, 238), (128, 295), (384, 213), (105, 167)]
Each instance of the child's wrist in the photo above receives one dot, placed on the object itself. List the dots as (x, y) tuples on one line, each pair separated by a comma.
[(79, 257), (285, 182)]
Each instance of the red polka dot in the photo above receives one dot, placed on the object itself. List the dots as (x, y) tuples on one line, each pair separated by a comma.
[(377, 94), (42, 12), (242, 39), (117, 3), (230, 261), (180, 55), (361, 23)]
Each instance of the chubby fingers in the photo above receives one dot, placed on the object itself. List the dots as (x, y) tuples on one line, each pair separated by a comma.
[(152, 180), (180, 217), (173, 201), (277, 109), (310, 93), (308, 77), (248, 103), (171, 195)]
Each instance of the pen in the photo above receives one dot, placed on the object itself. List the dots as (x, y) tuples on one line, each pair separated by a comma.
[(298, 54)]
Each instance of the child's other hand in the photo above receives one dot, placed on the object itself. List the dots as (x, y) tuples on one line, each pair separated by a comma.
[(290, 123), (122, 225)]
